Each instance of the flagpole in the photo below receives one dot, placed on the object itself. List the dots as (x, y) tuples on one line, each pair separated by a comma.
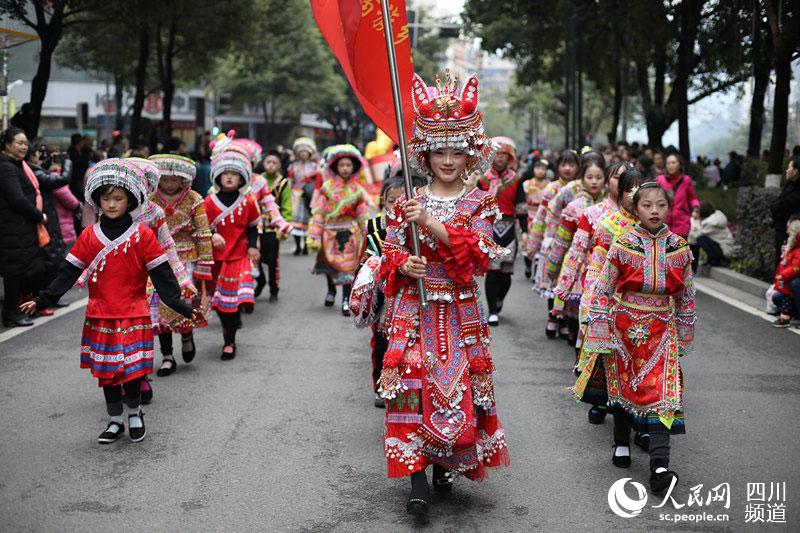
[(401, 131)]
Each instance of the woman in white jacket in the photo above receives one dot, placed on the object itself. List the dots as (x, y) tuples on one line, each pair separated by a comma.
[(710, 233)]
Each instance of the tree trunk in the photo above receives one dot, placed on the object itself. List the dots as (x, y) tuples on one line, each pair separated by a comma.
[(785, 38), (166, 73), (40, 81), (757, 108), (612, 134), (761, 70), (780, 111), (689, 10), (49, 36), (141, 79)]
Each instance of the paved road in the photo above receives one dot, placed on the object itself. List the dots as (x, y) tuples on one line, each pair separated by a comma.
[(285, 437)]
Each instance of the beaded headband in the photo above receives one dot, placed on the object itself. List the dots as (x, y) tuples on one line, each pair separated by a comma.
[(254, 150), (507, 145), (233, 161), (150, 172), (447, 117), (118, 173), (175, 165), (337, 152), (304, 143)]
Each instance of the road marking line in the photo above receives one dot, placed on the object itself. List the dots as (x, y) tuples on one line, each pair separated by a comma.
[(42, 320), (739, 305)]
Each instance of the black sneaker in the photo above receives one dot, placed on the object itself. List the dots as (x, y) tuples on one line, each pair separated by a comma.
[(136, 434), (661, 481), (112, 433), (273, 298), (781, 323), (345, 308), (330, 298)]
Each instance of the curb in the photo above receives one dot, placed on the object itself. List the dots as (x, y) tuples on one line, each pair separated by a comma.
[(734, 279)]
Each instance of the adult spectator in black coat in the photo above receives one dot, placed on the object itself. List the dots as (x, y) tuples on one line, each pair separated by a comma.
[(40, 162), (20, 256), (787, 204), (79, 156)]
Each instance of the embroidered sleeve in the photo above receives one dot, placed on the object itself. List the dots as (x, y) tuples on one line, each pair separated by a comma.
[(319, 208), (253, 212), (471, 248), (536, 228), (569, 279), (78, 255), (271, 213), (168, 246), (395, 251), (201, 234), (152, 251), (685, 315), (597, 315), (562, 239)]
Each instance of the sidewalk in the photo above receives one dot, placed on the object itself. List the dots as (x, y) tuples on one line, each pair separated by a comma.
[(742, 292)]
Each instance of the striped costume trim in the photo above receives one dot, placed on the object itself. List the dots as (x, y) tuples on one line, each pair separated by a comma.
[(157, 261)]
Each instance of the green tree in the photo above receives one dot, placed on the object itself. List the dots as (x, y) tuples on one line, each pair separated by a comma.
[(285, 69), (50, 20)]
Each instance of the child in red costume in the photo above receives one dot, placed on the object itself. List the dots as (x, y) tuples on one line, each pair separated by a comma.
[(119, 254), (234, 218)]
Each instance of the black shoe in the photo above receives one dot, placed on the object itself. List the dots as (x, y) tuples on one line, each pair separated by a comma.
[(136, 434), (228, 356), (379, 402), (621, 461), (642, 440), (345, 308), (305, 251), (259, 288), (168, 367), (417, 504), (273, 298), (551, 328), (660, 482), (442, 483), (330, 298), (188, 355), (112, 433), (597, 415), (528, 272), (247, 309), (16, 320), (146, 392), (297, 251)]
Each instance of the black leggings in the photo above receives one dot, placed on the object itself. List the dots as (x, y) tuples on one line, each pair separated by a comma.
[(270, 254), (230, 323), (12, 289), (113, 394), (346, 288), (165, 340), (659, 440), (497, 286)]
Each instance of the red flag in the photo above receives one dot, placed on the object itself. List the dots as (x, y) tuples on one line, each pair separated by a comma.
[(354, 31)]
